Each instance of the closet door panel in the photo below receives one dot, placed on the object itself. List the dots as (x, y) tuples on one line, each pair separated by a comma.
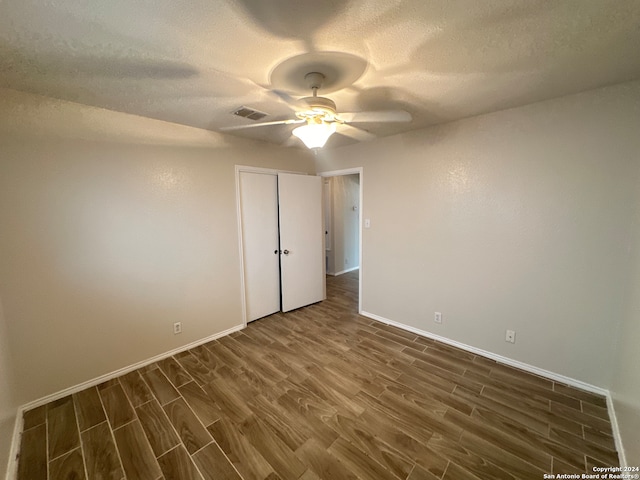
[(301, 240), (259, 216)]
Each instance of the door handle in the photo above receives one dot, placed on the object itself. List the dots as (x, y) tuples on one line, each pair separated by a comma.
[(275, 251), (286, 252)]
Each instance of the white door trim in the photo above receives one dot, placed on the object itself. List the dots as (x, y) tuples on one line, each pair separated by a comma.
[(350, 171)]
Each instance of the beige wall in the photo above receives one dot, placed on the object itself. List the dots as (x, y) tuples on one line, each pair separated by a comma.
[(113, 227), (8, 402), (344, 254), (108, 240), (515, 220)]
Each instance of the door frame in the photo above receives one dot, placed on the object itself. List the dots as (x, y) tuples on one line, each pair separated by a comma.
[(360, 172), (249, 169)]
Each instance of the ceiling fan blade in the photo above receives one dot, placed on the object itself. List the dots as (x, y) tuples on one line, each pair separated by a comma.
[(354, 132), (262, 124), (381, 116), (293, 103)]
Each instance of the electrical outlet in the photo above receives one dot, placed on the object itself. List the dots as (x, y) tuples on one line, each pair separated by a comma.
[(437, 317), (346, 261), (510, 336), (177, 328)]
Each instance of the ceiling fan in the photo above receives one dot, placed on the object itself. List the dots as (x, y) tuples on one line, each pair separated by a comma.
[(322, 119)]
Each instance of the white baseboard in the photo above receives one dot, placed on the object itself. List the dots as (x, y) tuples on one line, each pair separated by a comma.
[(344, 271), (130, 368), (617, 438), (522, 366), (498, 358), (12, 464), (12, 467)]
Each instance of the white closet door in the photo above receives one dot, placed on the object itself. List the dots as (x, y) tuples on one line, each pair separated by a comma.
[(301, 240), (259, 213)]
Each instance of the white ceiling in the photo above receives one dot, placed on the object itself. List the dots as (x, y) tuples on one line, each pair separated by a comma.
[(193, 62)]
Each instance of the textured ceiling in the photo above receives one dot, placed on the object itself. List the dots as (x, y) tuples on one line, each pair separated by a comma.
[(193, 62)]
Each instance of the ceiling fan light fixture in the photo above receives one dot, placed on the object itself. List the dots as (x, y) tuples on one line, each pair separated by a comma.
[(315, 135)]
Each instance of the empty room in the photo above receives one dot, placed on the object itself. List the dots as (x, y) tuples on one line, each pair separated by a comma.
[(295, 239)]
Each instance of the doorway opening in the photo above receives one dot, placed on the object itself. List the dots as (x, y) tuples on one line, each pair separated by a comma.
[(343, 200)]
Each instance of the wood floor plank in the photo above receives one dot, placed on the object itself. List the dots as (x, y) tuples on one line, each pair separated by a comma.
[(592, 398), (476, 464), (174, 372), (558, 466), (194, 436), (100, 455), (512, 374), (413, 375), (459, 380), (135, 388), (364, 437), (323, 464), (34, 417), (157, 427), (517, 385), (68, 467), (419, 473), (228, 400), (223, 355), (199, 372), (274, 450), (208, 359), (407, 425), (343, 403), (519, 448), (389, 431), (579, 417), (33, 454), (238, 381), (138, 460), (532, 408), (62, 428), (358, 462), (456, 472), (309, 413), (320, 392), (119, 410), (599, 438), (395, 331), (309, 475), (513, 418), (517, 467), (89, 408), (109, 383), (160, 385), (439, 356), (585, 447), (594, 410), (177, 464), (293, 432), (245, 458), (432, 420), (201, 403), (458, 353), (213, 464), (431, 357)]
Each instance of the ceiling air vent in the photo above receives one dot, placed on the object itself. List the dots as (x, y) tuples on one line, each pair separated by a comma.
[(249, 113)]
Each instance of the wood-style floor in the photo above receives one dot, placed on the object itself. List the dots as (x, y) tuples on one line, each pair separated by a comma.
[(319, 393)]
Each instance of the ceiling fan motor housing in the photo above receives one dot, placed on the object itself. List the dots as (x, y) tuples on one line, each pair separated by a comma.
[(318, 106)]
